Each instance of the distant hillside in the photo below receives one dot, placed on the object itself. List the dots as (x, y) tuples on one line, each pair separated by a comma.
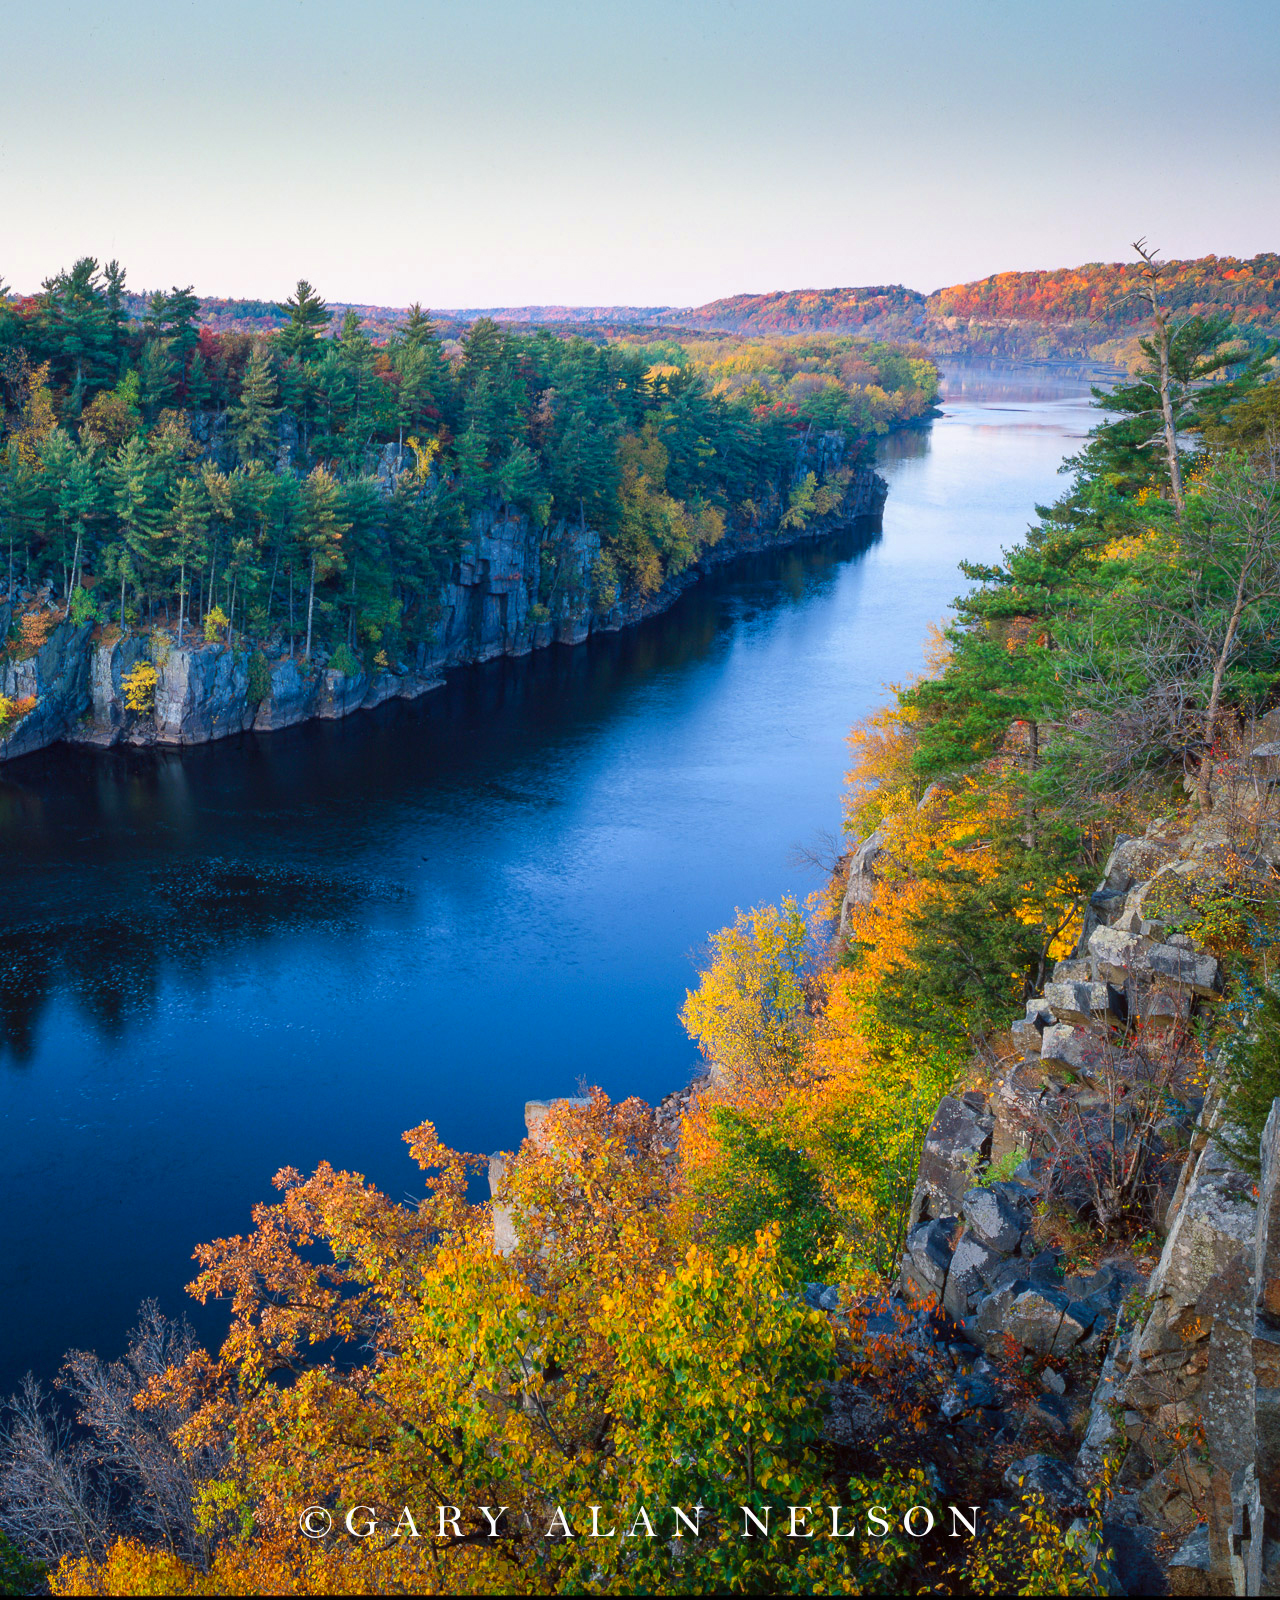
[(1091, 312), (1082, 313), (808, 311)]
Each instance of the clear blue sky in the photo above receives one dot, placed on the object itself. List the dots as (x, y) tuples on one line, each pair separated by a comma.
[(488, 152)]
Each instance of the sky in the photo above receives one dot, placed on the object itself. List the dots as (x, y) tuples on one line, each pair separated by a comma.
[(509, 152)]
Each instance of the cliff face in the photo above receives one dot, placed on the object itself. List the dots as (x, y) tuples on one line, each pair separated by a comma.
[(1186, 1406), (516, 588)]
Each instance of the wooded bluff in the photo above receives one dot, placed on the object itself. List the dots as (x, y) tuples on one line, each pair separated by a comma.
[(203, 532)]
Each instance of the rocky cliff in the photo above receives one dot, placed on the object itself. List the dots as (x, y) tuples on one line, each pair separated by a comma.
[(1183, 1416), (515, 588)]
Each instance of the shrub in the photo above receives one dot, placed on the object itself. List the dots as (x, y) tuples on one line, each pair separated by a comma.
[(343, 660), (259, 678), (82, 608), (214, 619), (764, 1177), (139, 685)]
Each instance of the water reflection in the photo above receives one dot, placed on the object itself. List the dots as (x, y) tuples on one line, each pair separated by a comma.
[(79, 830)]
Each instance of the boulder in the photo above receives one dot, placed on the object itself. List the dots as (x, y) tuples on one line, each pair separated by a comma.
[(1080, 1003), (1070, 1049), (536, 1112), (969, 1393), (1199, 973), (996, 1223), (1177, 1494), (860, 882), (965, 1279), (1046, 1475), (1158, 1008), (1045, 1321), (1214, 1222), (1052, 1412), (1074, 969), (1039, 1012), (1100, 1430), (1266, 759), (1191, 1566), (928, 1257), (504, 1228), (1017, 1101), (959, 1137), (1115, 955)]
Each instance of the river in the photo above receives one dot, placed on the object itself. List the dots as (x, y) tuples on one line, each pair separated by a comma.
[(290, 947)]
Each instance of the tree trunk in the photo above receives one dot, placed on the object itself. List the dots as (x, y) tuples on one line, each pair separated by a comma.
[(75, 562), (311, 601), (1166, 408), (122, 604), (182, 597), (272, 590), (1204, 794)]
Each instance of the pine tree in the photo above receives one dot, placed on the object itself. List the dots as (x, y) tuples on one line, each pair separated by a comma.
[(320, 534), (253, 419), (157, 376), (188, 526), (80, 327), (138, 518), (308, 317), (181, 308)]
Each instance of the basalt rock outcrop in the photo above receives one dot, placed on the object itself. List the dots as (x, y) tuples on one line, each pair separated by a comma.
[(515, 588), (1186, 1405)]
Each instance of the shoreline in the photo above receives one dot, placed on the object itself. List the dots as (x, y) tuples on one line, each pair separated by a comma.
[(206, 691)]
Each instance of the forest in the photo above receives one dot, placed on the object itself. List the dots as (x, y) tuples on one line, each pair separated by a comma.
[(312, 487), (652, 1315)]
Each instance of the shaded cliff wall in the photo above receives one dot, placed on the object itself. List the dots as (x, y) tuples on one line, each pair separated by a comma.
[(516, 588)]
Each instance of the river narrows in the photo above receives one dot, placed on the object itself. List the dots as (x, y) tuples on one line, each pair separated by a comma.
[(278, 949)]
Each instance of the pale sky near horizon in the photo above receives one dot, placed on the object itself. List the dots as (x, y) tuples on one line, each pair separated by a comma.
[(506, 152)]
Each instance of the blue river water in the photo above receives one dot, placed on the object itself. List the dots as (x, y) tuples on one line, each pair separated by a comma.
[(281, 949)]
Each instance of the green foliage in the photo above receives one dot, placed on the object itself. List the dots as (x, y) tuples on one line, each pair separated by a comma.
[(18, 1575), (766, 1177), (82, 608), (259, 678), (1253, 1081), (343, 660), (181, 464)]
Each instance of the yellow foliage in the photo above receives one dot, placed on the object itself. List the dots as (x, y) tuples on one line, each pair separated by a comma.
[(139, 685), (37, 421), (424, 456), (215, 619), (1129, 545), (748, 1013), (880, 779)]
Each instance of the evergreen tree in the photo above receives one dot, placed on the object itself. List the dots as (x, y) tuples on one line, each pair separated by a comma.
[(157, 377), (320, 532), (80, 329), (308, 318), (181, 308), (187, 531), (139, 519), (253, 419)]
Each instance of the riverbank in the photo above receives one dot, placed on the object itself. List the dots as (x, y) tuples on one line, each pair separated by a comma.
[(98, 686)]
